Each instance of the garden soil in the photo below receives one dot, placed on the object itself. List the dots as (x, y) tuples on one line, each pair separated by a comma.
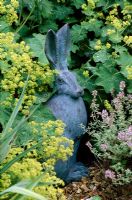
[(97, 185)]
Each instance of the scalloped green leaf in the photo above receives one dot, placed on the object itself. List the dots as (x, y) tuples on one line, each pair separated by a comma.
[(36, 44), (125, 59), (4, 27), (78, 33), (108, 78), (77, 3), (101, 56), (115, 37)]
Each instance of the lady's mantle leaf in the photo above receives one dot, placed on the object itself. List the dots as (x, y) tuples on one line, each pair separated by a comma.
[(36, 44), (108, 78), (101, 56)]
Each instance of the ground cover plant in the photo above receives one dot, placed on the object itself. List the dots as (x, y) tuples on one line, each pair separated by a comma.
[(101, 58), (111, 132)]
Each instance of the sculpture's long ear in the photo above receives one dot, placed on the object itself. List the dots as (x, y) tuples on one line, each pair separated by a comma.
[(50, 47), (63, 46)]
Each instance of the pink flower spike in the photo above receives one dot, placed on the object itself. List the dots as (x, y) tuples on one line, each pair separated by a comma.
[(122, 85), (94, 93), (109, 174), (104, 147), (121, 95), (104, 114), (129, 131), (129, 144), (88, 144), (122, 136)]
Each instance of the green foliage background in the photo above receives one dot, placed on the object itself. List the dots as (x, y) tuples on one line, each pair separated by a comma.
[(101, 44), (100, 38)]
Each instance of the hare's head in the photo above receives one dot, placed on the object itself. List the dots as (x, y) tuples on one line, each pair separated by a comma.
[(66, 83), (57, 48)]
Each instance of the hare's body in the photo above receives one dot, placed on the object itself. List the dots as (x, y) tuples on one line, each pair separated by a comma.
[(67, 104), (71, 111)]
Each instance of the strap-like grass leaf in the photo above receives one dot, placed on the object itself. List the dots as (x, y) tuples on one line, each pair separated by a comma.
[(6, 136), (23, 191)]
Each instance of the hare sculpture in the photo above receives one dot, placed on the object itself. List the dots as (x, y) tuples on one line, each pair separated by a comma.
[(67, 104)]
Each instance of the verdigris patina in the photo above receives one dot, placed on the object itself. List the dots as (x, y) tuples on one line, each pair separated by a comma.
[(67, 104)]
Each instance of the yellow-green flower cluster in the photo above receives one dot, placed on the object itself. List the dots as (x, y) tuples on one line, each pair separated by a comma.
[(114, 54), (127, 7), (84, 7), (100, 15), (90, 4), (98, 45), (8, 10), (108, 45), (115, 21), (128, 40), (51, 192), (110, 31), (17, 65), (107, 105), (53, 147), (53, 140), (86, 73), (129, 71)]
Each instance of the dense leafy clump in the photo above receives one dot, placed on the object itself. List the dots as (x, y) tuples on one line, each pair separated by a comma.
[(100, 35), (30, 145), (16, 64), (111, 133), (39, 161), (101, 44), (8, 11)]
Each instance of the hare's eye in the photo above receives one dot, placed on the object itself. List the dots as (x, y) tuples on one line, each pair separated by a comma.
[(60, 81)]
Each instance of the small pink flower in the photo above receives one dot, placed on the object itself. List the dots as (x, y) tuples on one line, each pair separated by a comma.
[(104, 114), (129, 144), (129, 131), (117, 103), (104, 147), (121, 95), (129, 97), (109, 174), (122, 85), (122, 136), (94, 93), (89, 145)]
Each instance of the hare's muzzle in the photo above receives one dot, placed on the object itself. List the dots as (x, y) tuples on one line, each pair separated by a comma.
[(80, 92)]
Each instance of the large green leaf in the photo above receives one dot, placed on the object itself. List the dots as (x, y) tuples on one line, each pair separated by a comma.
[(101, 56), (92, 26), (48, 24), (43, 114), (108, 78), (4, 116), (61, 12), (129, 86), (85, 82), (125, 59), (115, 37), (77, 3), (120, 49), (4, 27), (19, 189), (78, 33), (36, 44)]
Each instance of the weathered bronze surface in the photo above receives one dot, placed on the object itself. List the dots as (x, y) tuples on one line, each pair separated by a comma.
[(67, 104)]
